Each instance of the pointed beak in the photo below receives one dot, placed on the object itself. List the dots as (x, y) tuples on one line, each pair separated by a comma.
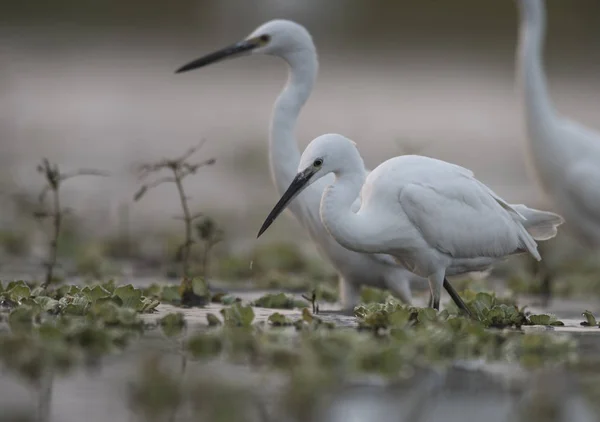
[(300, 182), (230, 51)]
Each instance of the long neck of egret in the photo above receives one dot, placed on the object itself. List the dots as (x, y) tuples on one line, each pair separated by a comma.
[(349, 229), (539, 111), (284, 153)]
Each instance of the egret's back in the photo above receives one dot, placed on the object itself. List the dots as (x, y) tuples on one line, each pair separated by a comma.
[(452, 211)]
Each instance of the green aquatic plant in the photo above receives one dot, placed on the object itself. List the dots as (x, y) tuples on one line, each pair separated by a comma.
[(225, 299), (191, 292), (238, 315), (194, 292), (279, 301), (76, 300), (279, 320), (590, 319)]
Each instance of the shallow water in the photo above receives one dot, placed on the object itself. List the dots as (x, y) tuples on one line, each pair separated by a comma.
[(471, 390)]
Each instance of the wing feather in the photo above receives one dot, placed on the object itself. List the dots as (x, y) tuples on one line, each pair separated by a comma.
[(460, 216)]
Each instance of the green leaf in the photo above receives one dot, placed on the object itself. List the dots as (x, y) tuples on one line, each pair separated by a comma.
[(543, 319), (172, 324), (18, 291), (590, 320), (238, 316), (230, 300), (48, 304), (279, 320), (427, 314), (109, 286), (399, 318), (130, 296), (148, 305), (38, 291), (76, 306), (485, 299), (95, 293), (110, 299), (212, 320), (170, 294), (152, 291), (200, 287), (279, 301)]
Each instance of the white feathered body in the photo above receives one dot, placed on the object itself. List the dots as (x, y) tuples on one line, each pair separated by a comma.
[(429, 214)]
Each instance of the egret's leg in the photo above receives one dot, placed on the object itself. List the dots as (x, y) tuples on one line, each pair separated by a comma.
[(456, 298), (430, 301), (349, 294), (436, 280)]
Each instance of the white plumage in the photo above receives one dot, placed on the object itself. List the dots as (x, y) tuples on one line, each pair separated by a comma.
[(293, 43), (435, 218), (565, 155)]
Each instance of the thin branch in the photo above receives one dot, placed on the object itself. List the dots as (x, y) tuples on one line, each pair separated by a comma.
[(142, 191), (54, 179), (43, 193), (160, 181), (83, 172), (180, 169), (191, 151)]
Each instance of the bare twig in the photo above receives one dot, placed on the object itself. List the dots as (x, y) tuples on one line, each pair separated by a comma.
[(82, 172), (54, 179), (180, 169)]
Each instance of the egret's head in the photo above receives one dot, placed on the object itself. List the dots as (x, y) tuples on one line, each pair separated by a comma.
[(330, 153), (277, 37)]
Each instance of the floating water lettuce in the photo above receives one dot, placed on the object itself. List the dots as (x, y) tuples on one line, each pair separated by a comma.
[(279, 301), (238, 315), (590, 319)]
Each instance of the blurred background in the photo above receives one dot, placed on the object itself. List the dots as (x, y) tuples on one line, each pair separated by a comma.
[(92, 84)]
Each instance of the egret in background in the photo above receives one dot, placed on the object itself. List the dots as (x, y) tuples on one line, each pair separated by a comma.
[(292, 42), (435, 218), (565, 155)]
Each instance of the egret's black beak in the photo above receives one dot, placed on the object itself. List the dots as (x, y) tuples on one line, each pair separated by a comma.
[(299, 183), (222, 54)]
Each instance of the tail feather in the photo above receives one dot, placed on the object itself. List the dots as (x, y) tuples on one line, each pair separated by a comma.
[(541, 225)]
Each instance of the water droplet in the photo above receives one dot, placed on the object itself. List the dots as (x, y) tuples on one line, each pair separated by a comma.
[(251, 262)]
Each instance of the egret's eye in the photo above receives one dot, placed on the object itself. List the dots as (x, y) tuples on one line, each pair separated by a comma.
[(264, 39), (318, 162)]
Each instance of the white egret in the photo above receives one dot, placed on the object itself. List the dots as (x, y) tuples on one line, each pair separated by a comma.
[(292, 42), (564, 154), (433, 217)]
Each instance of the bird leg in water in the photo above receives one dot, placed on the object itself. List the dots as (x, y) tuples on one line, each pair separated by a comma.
[(456, 298)]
